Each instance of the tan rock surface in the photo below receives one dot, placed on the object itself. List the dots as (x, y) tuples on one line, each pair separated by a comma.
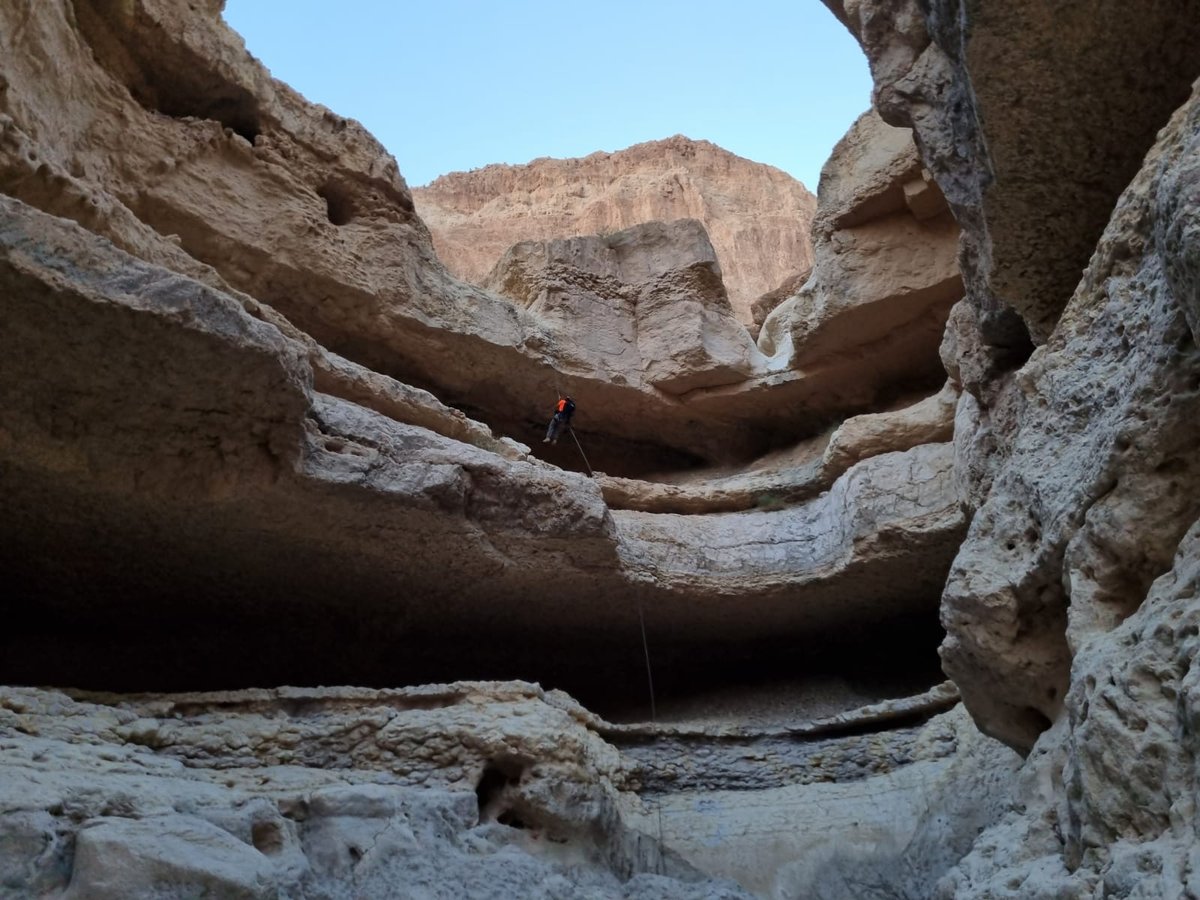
[(860, 437), (765, 304), (1061, 474), (757, 216), (884, 275), (1101, 480), (309, 492), (1033, 120), (260, 437), (867, 175), (649, 298), (225, 175)]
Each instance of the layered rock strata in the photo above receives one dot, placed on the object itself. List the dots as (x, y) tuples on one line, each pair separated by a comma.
[(465, 790), (885, 273), (270, 494), (476, 790), (229, 177), (650, 299), (757, 216)]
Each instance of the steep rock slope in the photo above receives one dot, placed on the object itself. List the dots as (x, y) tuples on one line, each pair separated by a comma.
[(1119, 507), (1070, 607), (757, 216), (926, 70)]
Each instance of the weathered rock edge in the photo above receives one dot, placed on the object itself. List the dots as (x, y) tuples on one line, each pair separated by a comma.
[(205, 443)]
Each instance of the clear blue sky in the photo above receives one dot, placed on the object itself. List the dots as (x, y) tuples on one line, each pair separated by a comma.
[(452, 85)]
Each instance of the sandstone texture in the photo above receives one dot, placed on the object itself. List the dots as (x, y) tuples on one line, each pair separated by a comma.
[(757, 216)]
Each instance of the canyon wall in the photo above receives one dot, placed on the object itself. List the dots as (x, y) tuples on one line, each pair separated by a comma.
[(1067, 606), (253, 433), (758, 217)]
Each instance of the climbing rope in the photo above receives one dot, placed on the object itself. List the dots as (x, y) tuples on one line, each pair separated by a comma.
[(581, 453), (649, 672), (661, 865)]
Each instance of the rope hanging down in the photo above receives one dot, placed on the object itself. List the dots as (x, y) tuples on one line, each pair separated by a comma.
[(660, 866), (581, 453)]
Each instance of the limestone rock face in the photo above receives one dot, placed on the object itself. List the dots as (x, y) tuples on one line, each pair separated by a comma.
[(311, 491), (1105, 790), (474, 790), (252, 432), (1101, 481), (649, 298), (1061, 477), (1069, 606), (861, 437), (466, 790), (757, 216), (885, 272), (1030, 108)]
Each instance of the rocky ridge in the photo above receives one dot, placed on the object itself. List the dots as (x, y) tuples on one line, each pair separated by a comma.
[(757, 216)]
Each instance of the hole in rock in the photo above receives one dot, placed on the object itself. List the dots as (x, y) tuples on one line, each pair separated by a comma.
[(509, 818), (497, 776), (267, 837), (339, 204), (1032, 722)]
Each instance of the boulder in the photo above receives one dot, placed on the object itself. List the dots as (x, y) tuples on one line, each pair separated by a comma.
[(119, 858), (649, 298), (930, 421)]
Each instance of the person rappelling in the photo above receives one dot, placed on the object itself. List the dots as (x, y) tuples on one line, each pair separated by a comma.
[(563, 410)]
